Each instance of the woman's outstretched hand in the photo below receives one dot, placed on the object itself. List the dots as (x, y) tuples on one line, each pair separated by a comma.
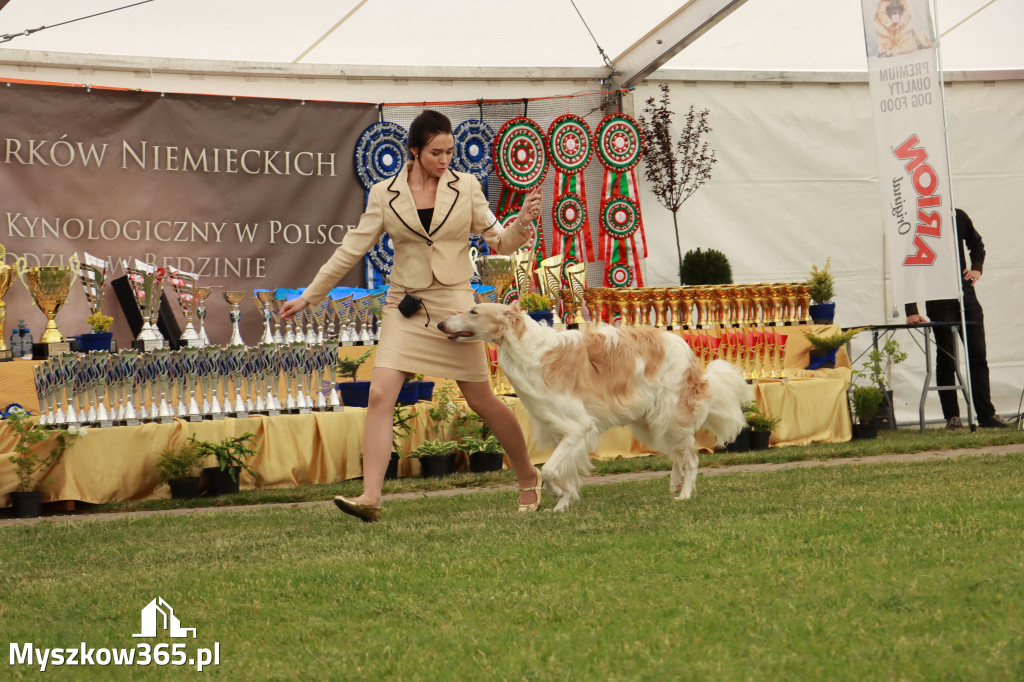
[(531, 207), (293, 306)]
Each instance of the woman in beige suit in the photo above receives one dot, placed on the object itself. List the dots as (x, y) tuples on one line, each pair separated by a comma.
[(429, 211)]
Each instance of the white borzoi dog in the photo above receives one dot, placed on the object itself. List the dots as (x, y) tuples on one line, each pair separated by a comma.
[(576, 384)]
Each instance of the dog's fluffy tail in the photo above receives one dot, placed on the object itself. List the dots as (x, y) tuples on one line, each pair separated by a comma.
[(729, 390)]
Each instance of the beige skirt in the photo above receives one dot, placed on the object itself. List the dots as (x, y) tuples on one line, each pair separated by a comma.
[(415, 344)]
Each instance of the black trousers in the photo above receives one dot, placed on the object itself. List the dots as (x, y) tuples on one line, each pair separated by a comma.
[(945, 370)]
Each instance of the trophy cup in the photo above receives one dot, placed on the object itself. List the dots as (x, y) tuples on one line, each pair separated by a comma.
[(160, 370), (49, 286), (186, 286), (270, 372), (190, 360), (486, 294), (522, 267), (551, 284), (101, 361), (497, 272), (67, 364), (7, 274), (330, 359), (344, 305), (234, 358), (202, 293), (234, 298), (379, 299), (176, 370), (44, 389), (362, 309), (145, 281), (212, 386), (318, 313), (128, 359), (265, 300)]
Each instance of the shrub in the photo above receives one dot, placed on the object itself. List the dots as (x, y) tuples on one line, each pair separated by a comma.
[(705, 267)]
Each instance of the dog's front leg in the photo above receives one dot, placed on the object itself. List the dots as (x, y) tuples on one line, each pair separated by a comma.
[(689, 466), (675, 483)]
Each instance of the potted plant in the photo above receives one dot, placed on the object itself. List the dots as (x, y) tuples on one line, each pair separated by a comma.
[(705, 267), (537, 306), (822, 289), (27, 499), (100, 338), (485, 454), (864, 402), (876, 369), (401, 432), (353, 393), (824, 347), (474, 438), (761, 426), (426, 388), (437, 457), (232, 455), (178, 467)]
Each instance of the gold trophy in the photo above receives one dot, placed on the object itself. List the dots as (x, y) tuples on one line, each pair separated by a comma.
[(576, 275), (522, 264), (202, 293), (550, 272), (497, 272), (7, 275), (49, 286)]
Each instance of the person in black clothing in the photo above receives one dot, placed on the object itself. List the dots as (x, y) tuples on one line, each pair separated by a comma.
[(947, 310)]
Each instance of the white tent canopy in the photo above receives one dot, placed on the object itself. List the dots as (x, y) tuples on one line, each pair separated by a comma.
[(785, 81)]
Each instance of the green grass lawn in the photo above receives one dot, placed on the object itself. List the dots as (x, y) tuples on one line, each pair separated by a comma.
[(882, 571)]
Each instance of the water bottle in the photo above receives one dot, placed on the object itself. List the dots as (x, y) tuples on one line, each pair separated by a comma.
[(26, 339), (16, 340)]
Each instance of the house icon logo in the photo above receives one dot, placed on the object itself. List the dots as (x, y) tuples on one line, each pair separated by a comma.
[(159, 614)]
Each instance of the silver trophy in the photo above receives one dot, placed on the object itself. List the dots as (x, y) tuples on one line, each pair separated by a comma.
[(319, 314), (214, 374), (145, 281), (379, 298), (265, 300), (160, 362), (202, 293), (190, 361), (345, 335), (270, 370), (68, 363), (234, 359), (128, 360), (363, 307), (186, 286), (330, 359), (304, 365), (234, 299), (176, 371), (41, 375), (100, 372)]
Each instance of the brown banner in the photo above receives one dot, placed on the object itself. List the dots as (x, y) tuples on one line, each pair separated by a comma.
[(246, 193)]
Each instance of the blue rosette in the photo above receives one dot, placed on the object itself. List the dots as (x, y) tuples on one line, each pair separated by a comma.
[(380, 152), (474, 140)]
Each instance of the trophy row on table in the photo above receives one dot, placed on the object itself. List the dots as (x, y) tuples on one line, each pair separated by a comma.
[(351, 318), (129, 387)]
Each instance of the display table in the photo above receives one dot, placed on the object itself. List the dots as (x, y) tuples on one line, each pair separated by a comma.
[(119, 463)]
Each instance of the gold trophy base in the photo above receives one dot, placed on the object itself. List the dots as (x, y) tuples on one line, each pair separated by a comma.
[(6, 354), (42, 351)]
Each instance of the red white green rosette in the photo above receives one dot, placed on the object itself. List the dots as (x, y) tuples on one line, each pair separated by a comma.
[(521, 162), (570, 147), (520, 156), (619, 146)]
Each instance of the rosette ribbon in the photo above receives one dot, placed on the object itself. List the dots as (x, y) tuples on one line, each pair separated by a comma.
[(570, 148), (619, 146), (380, 154), (521, 161)]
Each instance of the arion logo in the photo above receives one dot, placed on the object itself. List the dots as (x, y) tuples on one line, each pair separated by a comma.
[(158, 614)]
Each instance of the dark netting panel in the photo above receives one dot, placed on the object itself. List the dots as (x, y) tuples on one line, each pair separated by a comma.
[(591, 107)]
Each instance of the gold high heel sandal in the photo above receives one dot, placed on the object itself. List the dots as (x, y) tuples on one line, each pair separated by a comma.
[(536, 489), (364, 512)]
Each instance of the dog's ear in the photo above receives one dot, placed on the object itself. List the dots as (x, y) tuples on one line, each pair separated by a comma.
[(515, 306)]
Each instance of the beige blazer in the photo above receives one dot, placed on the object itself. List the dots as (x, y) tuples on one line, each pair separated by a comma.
[(421, 255)]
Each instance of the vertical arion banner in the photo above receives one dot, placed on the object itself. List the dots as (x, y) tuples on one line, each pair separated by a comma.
[(906, 93), (246, 193)]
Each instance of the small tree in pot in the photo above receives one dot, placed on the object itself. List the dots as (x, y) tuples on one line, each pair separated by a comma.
[(353, 393), (822, 290), (179, 468), (27, 499), (864, 403), (232, 455)]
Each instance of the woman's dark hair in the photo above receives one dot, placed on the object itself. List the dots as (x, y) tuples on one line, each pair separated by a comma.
[(426, 127)]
